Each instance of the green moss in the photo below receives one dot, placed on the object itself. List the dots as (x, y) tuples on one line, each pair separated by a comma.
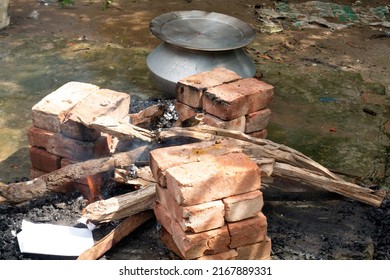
[(320, 113)]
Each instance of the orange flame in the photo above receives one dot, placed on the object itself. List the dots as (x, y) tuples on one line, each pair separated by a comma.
[(94, 183)]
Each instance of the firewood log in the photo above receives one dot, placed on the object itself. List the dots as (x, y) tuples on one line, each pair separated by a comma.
[(257, 149), (122, 230)]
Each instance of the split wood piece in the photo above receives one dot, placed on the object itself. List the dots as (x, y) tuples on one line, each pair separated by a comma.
[(145, 117), (116, 235), (143, 177), (255, 148), (347, 189), (121, 206), (121, 130), (56, 180), (265, 147)]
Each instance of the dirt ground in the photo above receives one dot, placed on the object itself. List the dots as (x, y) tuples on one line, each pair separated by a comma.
[(332, 103)]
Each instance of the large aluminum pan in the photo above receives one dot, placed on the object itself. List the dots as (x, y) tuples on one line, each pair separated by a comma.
[(200, 30), (168, 64)]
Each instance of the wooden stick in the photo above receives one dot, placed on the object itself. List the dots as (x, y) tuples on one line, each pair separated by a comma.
[(56, 180), (346, 189), (116, 235), (251, 146), (254, 147), (143, 177), (145, 117), (121, 130), (289, 162), (121, 206)]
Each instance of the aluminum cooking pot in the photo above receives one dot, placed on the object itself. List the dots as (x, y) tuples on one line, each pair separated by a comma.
[(194, 42)]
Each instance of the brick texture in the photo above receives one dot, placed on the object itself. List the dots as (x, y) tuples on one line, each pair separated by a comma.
[(167, 239), (248, 231), (185, 112), (196, 218), (257, 251), (238, 124), (52, 110), (66, 109), (163, 217), (257, 121), (44, 161), (243, 206), (62, 146), (195, 245), (215, 178), (162, 159), (190, 89), (191, 245), (76, 130), (236, 99), (101, 102)]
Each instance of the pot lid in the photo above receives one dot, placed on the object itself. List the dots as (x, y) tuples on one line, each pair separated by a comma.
[(199, 30)]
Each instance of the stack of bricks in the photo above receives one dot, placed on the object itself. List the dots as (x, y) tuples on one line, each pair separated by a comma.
[(58, 137), (209, 202), (227, 101)]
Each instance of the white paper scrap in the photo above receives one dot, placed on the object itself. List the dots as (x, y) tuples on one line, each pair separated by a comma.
[(51, 239)]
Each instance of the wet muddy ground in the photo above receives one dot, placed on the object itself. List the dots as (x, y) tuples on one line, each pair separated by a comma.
[(331, 103)]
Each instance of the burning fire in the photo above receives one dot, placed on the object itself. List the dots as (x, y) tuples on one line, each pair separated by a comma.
[(94, 184)]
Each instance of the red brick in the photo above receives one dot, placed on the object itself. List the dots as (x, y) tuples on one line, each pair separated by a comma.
[(213, 178), (52, 110), (243, 206), (195, 245), (163, 217), (257, 251), (190, 89), (62, 146), (196, 218), (42, 160), (164, 158), (185, 112), (236, 124), (257, 121), (248, 231), (262, 134), (101, 147), (167, 239), (192, 245), (99, 103), (229, 255), (236, 99), (77, 130), (39, 137), (66, 109)]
